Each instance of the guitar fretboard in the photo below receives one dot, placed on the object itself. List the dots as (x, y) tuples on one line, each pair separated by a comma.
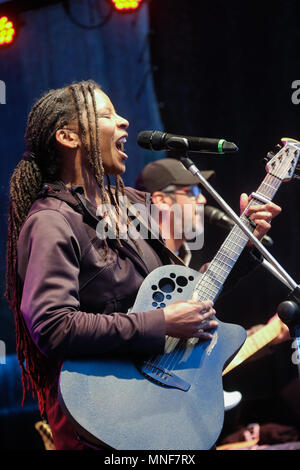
[(211, 283), (255, 342)]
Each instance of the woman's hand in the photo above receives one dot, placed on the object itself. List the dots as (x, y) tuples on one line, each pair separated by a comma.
[(187, 319), (260, 214)]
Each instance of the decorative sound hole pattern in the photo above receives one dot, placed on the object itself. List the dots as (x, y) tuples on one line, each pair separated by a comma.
[(166, 286), (158, 296), (182, 281)]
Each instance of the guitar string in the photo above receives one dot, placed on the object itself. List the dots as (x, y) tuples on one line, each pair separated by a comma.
[(266, 189), (233, 242), (203, 290), (206, 283), (169, 362), (179, 347)]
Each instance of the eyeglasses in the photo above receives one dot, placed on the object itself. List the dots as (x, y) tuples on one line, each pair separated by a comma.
[(190, 191)]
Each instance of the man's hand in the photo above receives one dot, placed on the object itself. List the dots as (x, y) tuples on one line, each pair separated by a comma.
[(260, 214)]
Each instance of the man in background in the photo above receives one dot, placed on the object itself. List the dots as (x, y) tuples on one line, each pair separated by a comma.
[(170, 185)]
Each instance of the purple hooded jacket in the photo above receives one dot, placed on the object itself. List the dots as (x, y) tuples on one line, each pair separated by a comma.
[(74, 301)]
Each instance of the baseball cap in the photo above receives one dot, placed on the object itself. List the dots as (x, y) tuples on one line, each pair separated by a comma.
[(159, 174)]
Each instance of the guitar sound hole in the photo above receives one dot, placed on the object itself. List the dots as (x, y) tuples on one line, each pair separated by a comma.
[(182, 281), (158, 296), (166, 285)]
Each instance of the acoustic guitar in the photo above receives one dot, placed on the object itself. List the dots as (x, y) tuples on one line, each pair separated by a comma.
[(173, 400)]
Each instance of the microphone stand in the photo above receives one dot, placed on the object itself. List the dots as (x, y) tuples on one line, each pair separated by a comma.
[(288, 311), (265, 264)]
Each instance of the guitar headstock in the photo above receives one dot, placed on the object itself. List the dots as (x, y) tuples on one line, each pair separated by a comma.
[(285, 163)]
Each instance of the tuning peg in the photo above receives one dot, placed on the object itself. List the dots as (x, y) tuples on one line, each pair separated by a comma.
[(267, 157), (277, 149), (271, 154)]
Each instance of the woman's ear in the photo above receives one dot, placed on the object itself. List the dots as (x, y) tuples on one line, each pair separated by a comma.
[(67, 138)]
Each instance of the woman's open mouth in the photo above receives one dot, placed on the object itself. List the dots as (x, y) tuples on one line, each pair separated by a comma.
[(120, 146)]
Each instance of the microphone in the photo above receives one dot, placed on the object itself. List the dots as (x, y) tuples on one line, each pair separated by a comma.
[(219, 218), (157, 140)]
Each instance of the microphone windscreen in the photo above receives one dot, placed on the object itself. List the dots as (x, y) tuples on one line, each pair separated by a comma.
[(144, 139)]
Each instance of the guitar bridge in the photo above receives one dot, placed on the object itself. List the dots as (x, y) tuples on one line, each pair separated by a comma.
[(162, 376)]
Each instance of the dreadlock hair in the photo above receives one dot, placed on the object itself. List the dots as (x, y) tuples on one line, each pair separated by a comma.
[(41, 163)]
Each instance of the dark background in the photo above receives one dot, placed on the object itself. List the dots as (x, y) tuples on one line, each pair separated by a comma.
[(219, 69), (225, 69)]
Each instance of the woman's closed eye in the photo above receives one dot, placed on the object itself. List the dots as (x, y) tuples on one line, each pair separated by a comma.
[(106, 115)]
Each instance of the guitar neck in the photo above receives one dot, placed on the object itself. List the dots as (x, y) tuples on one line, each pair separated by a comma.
[(211, 283), (255, 342)]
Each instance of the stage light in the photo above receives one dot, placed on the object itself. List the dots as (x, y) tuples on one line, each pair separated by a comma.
[(126, 5), (7, 31)]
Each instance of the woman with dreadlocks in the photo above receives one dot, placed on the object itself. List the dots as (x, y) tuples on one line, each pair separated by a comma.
[(68, 287)]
